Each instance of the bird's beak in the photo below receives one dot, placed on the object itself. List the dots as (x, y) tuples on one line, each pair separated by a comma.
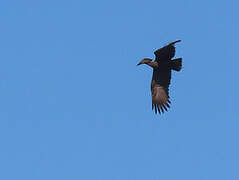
[(139, 63)]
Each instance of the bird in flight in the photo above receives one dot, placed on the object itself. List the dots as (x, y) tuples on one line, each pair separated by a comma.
[(162, 66)]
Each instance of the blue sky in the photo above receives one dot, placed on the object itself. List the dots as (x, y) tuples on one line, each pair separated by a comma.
[(75, 106)]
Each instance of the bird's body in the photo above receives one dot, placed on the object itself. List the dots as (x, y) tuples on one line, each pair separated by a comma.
[(162, 67)]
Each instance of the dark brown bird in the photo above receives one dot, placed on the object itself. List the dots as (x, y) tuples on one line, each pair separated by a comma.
[(162, 67)]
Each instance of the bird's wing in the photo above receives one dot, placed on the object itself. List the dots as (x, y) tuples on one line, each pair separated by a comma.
[(165, 53), (159, 90), (160, 99)]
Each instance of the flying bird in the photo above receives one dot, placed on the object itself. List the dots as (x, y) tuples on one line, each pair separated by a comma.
[(162, 67)]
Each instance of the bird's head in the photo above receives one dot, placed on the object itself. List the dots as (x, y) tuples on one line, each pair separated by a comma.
[(144, 61)]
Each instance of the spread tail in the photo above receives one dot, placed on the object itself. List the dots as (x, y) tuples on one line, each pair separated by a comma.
[(176, 64)]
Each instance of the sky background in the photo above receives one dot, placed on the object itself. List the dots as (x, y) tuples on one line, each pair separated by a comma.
[(73, 104)]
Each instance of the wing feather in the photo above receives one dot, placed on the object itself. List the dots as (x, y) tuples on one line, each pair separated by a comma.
[(160, 99), (165, 53), (159, 89)]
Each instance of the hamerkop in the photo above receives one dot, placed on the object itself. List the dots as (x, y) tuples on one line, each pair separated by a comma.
[(162, 66)]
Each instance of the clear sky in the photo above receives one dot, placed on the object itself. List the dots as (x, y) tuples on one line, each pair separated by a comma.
[(73, 104)]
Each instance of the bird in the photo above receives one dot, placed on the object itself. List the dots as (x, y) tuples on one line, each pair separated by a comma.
[(162, 67)]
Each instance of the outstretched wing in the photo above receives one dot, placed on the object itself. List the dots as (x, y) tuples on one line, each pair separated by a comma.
[(159, 90), (165, 53)]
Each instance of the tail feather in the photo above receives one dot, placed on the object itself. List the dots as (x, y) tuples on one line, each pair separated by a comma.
[(176, 64)]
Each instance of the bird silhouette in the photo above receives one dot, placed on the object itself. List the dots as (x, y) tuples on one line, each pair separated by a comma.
[(162, 67)]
